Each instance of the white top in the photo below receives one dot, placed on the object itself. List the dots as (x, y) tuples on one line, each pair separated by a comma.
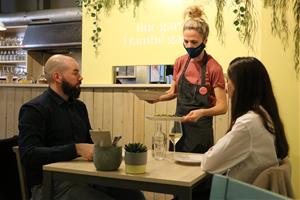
[(243, 152)]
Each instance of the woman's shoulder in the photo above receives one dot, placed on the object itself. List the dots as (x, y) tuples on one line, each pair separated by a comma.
[(250, 119)]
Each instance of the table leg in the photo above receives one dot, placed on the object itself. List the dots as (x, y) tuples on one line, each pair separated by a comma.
[(47, 185), (184, 194)]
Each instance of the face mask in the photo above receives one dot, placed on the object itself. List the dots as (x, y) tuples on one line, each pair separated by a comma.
[(194, 52), (72, 91)]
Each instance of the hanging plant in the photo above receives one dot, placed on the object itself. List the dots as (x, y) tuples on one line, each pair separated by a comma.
[(296, 10), (245, 22), (219, 22), (93, 9), (279, 24)]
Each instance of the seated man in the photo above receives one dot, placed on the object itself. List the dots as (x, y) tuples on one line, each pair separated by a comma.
[(55, 127)]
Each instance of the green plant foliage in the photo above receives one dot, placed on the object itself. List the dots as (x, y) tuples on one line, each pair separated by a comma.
[(219, 21), (296, 10), (245, 22), (94, 7), (135, 147)]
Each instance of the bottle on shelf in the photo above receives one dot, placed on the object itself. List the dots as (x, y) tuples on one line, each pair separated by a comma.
[(159, 142)]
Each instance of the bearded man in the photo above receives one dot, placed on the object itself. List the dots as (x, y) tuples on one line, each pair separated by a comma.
[(55, 127)]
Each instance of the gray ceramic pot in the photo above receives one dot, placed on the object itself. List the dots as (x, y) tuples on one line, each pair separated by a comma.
[(107, 158), (135, 163)]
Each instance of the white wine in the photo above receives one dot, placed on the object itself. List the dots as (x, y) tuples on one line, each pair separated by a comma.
[(174, 137)]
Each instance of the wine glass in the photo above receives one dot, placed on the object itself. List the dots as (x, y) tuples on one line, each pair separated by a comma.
[(175, 133)]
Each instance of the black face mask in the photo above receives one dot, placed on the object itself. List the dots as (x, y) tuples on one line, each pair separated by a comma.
[(194, 52), (72, 91)]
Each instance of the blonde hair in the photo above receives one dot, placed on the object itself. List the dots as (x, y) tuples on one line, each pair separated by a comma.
[(194, 20)]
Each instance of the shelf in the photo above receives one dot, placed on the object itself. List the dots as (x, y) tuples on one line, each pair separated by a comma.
[(11, 47), (125, 76), (13, 62)]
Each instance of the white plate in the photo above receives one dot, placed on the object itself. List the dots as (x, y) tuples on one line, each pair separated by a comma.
[(147, 94), (191, 158), (164, 118)]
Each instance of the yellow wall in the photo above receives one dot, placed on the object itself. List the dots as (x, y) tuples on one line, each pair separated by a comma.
[(158, 23), (286, 86)]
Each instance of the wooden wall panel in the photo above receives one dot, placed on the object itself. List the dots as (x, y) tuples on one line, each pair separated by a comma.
[(128, 110), (98, 109), (107, 109), (115, 110), (3, 115), (118, 113), (139, 120), (10, 115)]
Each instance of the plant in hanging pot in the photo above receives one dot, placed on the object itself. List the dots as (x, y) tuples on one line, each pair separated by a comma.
[(135, 158)]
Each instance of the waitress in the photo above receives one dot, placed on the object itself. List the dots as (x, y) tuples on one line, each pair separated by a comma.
[(198, 83)]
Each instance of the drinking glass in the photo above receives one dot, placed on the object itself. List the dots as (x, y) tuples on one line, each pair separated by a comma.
[(175, 133)]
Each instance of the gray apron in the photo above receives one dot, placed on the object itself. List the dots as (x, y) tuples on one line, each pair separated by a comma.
[(197, 136)]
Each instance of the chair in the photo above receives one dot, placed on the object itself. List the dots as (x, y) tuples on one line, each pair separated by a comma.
[(277, 179), (237, 190), (225, 188), (22, 178), (10, 188), (218, 187)]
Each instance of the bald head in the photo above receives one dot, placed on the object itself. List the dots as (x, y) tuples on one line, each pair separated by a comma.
[(57, 63)]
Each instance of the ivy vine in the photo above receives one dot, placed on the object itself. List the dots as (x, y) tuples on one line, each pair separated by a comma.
[(244, 22), (93, 9)]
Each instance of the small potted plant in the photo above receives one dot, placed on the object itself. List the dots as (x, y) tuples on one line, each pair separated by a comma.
[(135, 158)]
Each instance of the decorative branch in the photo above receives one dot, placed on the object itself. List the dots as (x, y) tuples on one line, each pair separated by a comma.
[(296, 10), (245, 21), (219, 21)]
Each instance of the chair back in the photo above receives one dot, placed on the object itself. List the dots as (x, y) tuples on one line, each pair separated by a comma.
[(10, 188), (218, 187), (240, 190), (277, 179), (225, 188), (22, 178)]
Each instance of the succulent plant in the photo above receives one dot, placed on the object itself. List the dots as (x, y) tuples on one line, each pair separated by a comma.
[(135, 147)]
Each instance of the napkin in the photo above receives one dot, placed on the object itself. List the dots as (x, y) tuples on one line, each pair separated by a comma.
[(101, 138)]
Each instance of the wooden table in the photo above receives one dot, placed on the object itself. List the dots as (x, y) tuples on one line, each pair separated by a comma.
[(164, 176)]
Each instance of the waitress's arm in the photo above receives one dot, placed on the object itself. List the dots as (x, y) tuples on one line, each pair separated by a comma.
[(170, 94), (218, 109)]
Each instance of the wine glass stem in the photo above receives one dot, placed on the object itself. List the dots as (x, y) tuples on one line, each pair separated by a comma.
[(174, 149)]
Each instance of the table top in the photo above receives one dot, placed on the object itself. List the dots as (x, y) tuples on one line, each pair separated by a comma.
[(165, 171)]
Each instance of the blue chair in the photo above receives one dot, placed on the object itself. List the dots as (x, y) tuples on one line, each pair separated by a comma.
[(227, 188)]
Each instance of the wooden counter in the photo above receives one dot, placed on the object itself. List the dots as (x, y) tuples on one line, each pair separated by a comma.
[(110, 106)]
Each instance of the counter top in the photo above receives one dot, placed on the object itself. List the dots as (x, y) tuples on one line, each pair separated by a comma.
[(92, 85)]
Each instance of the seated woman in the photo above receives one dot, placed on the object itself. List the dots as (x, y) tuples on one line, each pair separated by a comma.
[(255, 139)]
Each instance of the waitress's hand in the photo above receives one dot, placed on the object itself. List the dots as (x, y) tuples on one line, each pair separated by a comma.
[(152, 101), (193, 116)]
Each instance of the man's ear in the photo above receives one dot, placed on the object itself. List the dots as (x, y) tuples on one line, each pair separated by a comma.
[(205, 41), (56, 76)]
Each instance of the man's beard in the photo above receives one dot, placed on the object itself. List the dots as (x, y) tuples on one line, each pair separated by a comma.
[(72, 91)]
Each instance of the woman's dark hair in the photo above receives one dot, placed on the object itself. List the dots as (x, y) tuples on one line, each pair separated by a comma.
[(253, 89)]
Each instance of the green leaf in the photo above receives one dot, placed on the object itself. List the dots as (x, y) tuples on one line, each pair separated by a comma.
[(98, 29), (236, 22), (242, 9), (238, 29), (93, 15), (235, 11)]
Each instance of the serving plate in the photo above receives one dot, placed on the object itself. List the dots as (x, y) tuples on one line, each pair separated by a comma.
[(164, 118), (191, 158), (147, 94)]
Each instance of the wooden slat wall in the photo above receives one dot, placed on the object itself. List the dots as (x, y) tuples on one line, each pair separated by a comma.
[(112, 109)]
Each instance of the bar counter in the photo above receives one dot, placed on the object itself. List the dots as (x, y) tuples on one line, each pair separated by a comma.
[(111, 107)]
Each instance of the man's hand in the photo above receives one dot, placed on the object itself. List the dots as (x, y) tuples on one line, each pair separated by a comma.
[(85, 150)]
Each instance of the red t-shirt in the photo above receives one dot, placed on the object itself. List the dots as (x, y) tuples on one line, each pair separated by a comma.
[(214, 74)]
